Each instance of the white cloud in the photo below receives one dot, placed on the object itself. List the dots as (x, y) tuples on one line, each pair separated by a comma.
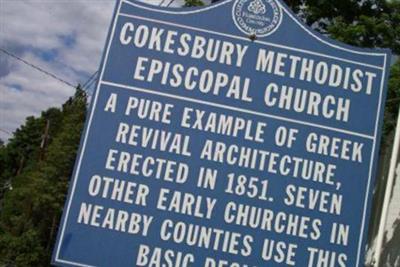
[(73, 32), (36, 26)]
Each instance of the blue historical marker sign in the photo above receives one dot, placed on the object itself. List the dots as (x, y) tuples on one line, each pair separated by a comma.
[(226, 135)]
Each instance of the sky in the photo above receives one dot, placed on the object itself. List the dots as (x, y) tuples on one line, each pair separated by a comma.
[(65, 37)]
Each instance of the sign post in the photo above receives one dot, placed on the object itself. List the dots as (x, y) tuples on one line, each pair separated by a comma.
[(226, 135), (394, 166)]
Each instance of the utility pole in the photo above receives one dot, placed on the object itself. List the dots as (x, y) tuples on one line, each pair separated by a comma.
[(44, 142)]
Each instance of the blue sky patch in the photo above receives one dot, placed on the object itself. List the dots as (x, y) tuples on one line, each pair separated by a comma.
[(69, 41)]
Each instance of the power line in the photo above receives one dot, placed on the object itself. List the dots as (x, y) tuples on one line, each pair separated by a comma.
[(90, 79), (91, 83), (37, 68), (170, 3), (88, 86), (4, 131)]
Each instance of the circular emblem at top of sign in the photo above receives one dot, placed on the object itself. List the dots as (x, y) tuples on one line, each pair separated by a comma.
[(258, 17)]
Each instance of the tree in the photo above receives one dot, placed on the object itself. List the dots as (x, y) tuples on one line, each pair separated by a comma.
[(191, 3), (31, 211)]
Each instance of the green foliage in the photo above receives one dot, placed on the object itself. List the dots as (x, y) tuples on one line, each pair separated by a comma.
[(22, 251), (382, 30), (191, 3), (393, 99), (370, 24), (31, 210)]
